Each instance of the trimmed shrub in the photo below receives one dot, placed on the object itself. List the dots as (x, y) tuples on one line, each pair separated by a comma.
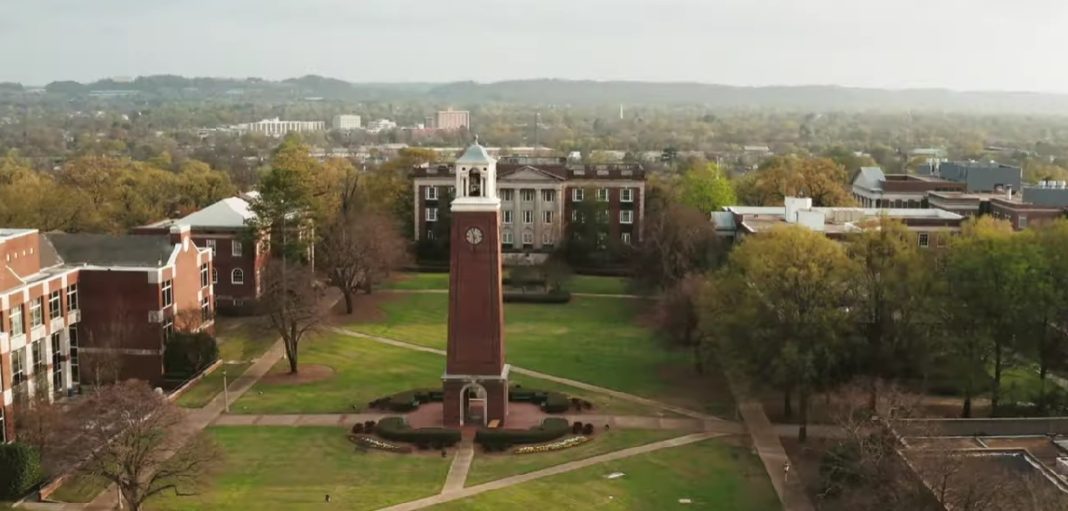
[(357, 428), (587, 429), (408, 400), (187, 354), (576, 428), (394, 428), (556, 402), (550, 429), (20, 470)]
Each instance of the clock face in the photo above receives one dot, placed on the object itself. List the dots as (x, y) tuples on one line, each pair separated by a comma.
[(474, 236)]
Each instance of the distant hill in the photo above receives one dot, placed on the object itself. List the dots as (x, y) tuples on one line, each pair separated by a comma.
[(585, 92)]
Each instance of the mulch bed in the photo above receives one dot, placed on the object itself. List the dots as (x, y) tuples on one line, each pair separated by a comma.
[(306, 374)]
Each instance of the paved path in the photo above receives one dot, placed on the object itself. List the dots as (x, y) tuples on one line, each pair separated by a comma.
[(613, 421), (773, 455), (461, 464), (551, 471), (527, 372)]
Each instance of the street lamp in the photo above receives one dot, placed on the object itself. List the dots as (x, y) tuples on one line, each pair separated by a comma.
[(226, 393)]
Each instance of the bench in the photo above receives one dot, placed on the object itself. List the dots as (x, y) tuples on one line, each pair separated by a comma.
[(494, 424)]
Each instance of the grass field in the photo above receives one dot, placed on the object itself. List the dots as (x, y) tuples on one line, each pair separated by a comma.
[(575, 284), (490, 467), (283, 468), (80, 488), (364, 370), (594, 340), (713, 475), (203, 391)]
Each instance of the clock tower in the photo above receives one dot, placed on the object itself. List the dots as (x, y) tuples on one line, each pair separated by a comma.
[(476, 377)]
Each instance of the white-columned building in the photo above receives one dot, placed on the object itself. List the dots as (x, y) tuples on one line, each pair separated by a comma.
[(347, 122), (277, 128)]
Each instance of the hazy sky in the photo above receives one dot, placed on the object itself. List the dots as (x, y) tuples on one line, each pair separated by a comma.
[(958, 44)]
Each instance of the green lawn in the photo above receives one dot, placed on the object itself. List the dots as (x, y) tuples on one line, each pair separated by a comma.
[(80, 488), (594, 340), (713, 475), (599, 285), (364, 370), (243, 339), (490, 467), (283, 468), (203, 391), (419, 281)]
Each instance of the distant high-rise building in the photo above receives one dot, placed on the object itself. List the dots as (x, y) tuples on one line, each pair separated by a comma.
[(347, 122), (452, 120)]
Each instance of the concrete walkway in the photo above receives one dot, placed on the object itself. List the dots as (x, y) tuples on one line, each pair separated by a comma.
[(773, 455), (461, 464), (551, 471), (623, 396)]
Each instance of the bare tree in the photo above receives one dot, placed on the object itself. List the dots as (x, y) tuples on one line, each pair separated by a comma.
[(292, 300), (134, 438), (40, 424), (677, 240), (359, 249), (678, 316)]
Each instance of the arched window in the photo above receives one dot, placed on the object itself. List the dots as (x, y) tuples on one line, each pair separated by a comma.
[(475, 184), (237, 276)]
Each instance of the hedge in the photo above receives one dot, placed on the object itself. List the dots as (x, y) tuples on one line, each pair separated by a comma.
[(394, 428), (20, 470), (550, 429), (408, 400), (186, 354), (549, 401), (558, 296)]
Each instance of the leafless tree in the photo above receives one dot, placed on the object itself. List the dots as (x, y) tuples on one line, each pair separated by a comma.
[(292, 300), (677, 240), (359, 249), (136, 439), (678, 316), (40, 424)]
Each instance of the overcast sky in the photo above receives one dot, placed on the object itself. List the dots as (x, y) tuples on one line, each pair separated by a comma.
[(957, 44)]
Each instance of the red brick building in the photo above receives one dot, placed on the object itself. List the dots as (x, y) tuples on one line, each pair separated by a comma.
[(239, 263), (539, 196), (66, 297)]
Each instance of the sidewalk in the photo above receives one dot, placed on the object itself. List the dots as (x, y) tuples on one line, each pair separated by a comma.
[(773, 455)]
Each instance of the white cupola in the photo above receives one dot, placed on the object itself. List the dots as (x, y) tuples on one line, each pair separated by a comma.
[(476, 174)]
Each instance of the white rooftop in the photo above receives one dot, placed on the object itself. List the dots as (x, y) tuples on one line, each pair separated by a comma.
[(6, 232), (231, 212)]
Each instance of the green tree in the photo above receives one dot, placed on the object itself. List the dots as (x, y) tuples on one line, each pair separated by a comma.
[(706, 189), (780, 309), (822, 179)]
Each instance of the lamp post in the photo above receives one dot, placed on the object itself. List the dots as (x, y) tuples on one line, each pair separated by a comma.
[(226, 393)]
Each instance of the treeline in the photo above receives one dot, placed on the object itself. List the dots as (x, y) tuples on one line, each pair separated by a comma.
[(802, 314)]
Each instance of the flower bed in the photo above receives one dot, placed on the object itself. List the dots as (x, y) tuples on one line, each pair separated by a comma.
[(373, 443), (553, 446)]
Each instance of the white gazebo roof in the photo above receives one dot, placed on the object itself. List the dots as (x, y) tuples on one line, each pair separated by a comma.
[(475, 155)]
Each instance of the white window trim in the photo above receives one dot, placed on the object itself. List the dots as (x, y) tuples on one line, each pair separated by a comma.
[(431, 214), (431, 193), (72, 303), (234, 274), (548, 195), (236, 248), (210, 244), (506, 238), (629, 214), (528, 192), (528, 216), (37, 318), (606, 195), (507, 216), (528, 235), (508, 194), (625, 237), (547, 217), (55, 309), (578, 195), (626, 195), (924, 240)]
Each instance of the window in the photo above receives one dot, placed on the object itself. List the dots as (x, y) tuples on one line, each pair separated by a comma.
[(72, 297), (37, 348), (17, 319), (236, 249), (578, 194), (625, 237), (36, 312), (547, 238), (924, 240), (237, 276), (576, 216), (506, 238), (74, 376), (57, 364), (210, 244), (205, 309), (431, 193), (548, 195), (528, 216), (507, 194), (214, 276), (431, 214), (55, 309), (168, 293), (526, 195), (547, 216), (626, 195), (452, 191), (168, 330), (528, 238), (18, 366), (626, 216), (602, 194), (508, 216), (204, 276), (1021, 222), (429, 234)]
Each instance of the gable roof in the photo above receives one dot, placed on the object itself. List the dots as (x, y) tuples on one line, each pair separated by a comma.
[(871, 178), (232, 212), (528, 172), (107, 250)]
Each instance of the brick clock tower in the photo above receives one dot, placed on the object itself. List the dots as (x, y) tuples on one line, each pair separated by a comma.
[(476, 377)]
